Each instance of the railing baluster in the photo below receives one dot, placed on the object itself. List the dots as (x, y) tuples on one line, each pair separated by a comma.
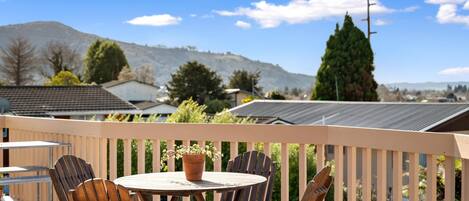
[(170, 146), (302, 168), (250, 146), (156, 161), (339, 172), (140, 156), (413, 176), (233, 150), (127, 157), (465, 180), (449, 179), (397, 176), (351, 173), (103, 157), (320, 156), (381, 175), (267, 151), (431, 177), (284, 172), (186, 143), (217, 168), (366, 173), (113, 158)]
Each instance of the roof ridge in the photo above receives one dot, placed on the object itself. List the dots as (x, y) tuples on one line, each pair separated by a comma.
[(358, 102)]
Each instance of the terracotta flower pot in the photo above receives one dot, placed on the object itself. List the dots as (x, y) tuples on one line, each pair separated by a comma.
[(193, 165)]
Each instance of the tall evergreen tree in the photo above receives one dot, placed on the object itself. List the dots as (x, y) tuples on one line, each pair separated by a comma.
[(346, 71), (194, 80), (104, 61)]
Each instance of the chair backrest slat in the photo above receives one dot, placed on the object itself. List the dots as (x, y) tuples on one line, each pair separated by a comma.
[(100, 190), (257, 163), (69, 171), (318, 187)]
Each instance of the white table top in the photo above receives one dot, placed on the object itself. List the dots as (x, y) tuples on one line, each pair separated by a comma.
[(175, 183), (31, 144)]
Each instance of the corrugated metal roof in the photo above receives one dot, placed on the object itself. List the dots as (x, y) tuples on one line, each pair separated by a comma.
[(401, 116)]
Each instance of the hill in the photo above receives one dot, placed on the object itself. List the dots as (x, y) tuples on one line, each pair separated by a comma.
[(164, 60)]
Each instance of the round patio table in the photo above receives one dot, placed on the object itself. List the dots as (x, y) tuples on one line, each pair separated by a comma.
[(175, 183)]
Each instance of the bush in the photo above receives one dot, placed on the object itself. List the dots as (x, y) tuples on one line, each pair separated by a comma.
[(214, 106)]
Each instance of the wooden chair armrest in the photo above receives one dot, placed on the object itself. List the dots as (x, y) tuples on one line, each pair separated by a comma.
[(70, 194)]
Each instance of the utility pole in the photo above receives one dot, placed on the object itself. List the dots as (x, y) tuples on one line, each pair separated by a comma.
[(368, 19)]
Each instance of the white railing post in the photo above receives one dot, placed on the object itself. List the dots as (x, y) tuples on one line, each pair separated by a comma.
[(465, 180), (302, 170), (397, 176), (413, 176), (381, 175), (339, 172), (449, 178), (366, 173), (351, 173), (284, 172), (430, 193)]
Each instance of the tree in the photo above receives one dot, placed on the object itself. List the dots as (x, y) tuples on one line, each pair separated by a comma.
[(58, 56), (126, 74), (347, 67), (275, 95), (194, 80), (215, 105), (104, 61), (145, 74), (18, 60), (244, 80), (63, 78)]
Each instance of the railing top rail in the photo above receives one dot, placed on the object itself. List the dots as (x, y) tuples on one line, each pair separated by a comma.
[(450, 144)]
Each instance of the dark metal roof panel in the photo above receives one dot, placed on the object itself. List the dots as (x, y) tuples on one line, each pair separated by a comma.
[(402, 116), (42, 100)]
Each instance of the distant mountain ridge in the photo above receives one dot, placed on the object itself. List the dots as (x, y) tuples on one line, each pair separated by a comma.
[(164, 60), (425, 85)]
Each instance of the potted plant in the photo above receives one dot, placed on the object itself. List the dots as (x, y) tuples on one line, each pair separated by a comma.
[(193, 158)]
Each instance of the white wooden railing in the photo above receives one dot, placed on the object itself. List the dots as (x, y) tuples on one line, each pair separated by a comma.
[(90, 139)]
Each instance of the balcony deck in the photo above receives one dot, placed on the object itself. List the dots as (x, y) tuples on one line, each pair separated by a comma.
[(90, 140)]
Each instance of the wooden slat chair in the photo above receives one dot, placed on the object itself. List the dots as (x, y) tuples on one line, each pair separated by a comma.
[(69, 171), (318, 187), (257, 163), (99, 190)]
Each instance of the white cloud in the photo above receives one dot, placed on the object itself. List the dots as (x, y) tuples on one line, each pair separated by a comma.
[(410, 9), (448, 11), (381, 22), (445, 1), (155, 20), (270, 15), (447, 14), (193, 15), (455, 71), (242, 25)]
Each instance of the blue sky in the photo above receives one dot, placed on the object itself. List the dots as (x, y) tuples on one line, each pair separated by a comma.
[(417, 40)]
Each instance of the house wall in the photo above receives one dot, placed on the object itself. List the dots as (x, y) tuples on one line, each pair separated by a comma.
[(134, 91)]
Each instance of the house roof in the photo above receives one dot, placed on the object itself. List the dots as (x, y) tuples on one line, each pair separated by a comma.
[(48, 100), (235, 91), (143, 105), (119, 82), (401, 116)]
